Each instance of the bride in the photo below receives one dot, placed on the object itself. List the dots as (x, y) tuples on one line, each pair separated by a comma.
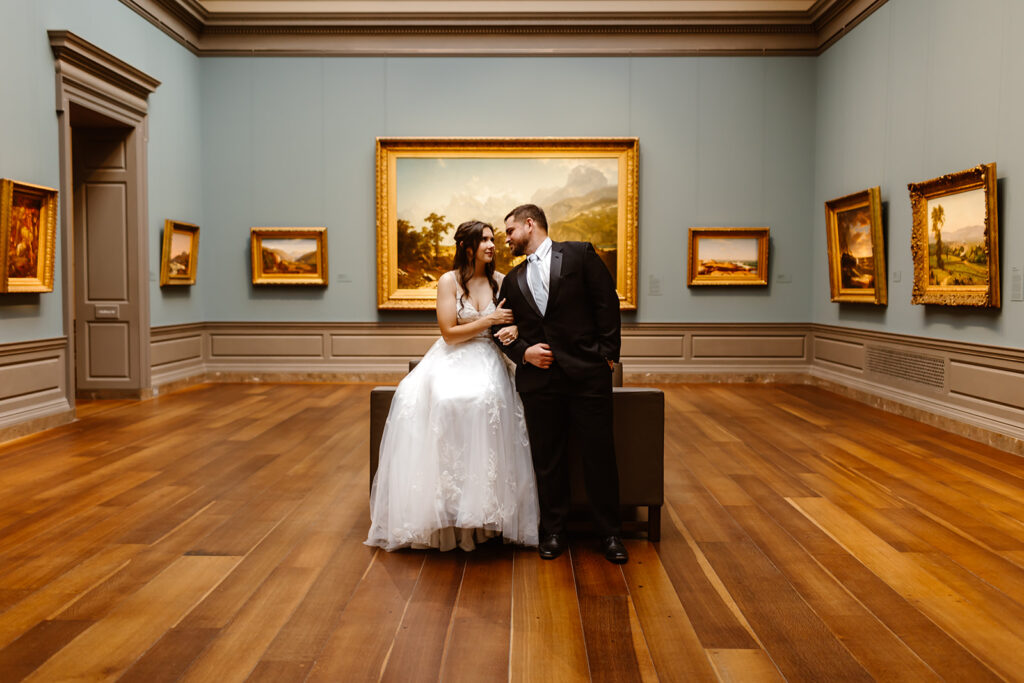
[(455, 465)]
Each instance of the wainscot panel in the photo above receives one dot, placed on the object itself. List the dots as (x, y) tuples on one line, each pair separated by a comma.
[(1002, 386), (748, 346), (380, 345), (266, 345), (657, 347), (840, 352), (33, 387), (177, 356)]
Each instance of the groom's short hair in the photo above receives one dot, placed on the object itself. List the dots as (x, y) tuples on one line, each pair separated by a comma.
[(524, 211)]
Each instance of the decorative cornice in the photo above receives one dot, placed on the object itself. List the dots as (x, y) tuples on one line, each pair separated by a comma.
[(71, 50), (558, 32)]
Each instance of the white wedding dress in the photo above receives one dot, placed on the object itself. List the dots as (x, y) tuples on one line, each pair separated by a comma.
[(455, 466)]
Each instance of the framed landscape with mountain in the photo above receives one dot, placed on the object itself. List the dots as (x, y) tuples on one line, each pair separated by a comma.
[(856, 249), (181, 249), (587, 187), (289, 256), (727, 256), (955, 239)]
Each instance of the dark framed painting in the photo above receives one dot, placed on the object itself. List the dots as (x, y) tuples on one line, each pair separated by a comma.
[(587, 187), (28, 228), (856, 248), (955, 239), (180, 253), (289, 256), (727, 257)]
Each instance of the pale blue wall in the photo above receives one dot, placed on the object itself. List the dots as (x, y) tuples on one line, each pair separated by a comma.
[(29, 143), (723, 141), (920, 89)]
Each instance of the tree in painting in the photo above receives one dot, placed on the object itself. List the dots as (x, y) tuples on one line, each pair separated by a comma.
[(938, 219)]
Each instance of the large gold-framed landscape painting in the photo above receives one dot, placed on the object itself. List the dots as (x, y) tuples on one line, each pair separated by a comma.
[(955, 239), (426, 187)]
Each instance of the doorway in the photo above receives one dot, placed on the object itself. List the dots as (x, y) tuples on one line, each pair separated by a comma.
[(108, 328), (102, 105)]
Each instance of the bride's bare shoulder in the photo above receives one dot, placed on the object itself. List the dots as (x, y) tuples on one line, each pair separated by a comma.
[(498, 277), (448, 281)]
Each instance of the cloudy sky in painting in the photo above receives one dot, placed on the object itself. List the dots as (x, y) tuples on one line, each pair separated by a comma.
[(180, 241), (965, 217), (291, 247), (855, 224), (466, 188), (727, 248)]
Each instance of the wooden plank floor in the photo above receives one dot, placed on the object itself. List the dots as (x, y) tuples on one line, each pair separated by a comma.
[(215, 534)]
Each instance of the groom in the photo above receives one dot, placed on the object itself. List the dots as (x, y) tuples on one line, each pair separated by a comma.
[(567, 311)]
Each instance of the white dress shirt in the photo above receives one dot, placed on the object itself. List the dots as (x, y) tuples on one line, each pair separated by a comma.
[(538, 274)]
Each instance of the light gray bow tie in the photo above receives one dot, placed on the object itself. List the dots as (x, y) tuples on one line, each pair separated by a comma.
[(533, 258)]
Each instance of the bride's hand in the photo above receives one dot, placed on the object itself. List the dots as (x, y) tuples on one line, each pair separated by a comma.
[(507, 335), (501, 316)]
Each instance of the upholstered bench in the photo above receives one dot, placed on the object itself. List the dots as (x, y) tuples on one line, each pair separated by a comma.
[(639, 447)]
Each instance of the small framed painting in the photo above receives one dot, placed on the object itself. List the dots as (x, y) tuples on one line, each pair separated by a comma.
[(955, 239), (28, 228), (728, 256), (181, 248), (289, 256), (856, 249)]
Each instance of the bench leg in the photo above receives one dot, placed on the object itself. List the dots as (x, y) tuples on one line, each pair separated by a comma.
[(654, 523)]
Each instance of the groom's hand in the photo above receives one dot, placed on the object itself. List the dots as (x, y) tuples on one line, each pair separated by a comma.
[(539, 355)]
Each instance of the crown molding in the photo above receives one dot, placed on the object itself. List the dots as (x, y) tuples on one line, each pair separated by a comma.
[(486, 28)]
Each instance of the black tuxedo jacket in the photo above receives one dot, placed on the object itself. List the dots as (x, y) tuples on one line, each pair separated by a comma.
[(581, 323)]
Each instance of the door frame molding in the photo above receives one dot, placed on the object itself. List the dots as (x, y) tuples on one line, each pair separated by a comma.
[(96, 80)]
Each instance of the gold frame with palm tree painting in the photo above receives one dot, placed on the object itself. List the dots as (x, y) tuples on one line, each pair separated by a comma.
[(427, 186), (955, 239)]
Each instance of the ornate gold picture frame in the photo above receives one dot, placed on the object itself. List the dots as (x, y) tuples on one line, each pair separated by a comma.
[(28, 228), (180, 253), (955, 239), (856, 248), (427, 186), (727, 257), (289, 256)]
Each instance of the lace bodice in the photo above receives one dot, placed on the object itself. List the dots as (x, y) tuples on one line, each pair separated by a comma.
[(466, 312)]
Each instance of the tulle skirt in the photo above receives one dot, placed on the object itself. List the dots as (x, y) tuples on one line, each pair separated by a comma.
[(455, 465)]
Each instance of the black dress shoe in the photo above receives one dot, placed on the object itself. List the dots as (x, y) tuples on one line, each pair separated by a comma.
[(552, 546), (614, 550)]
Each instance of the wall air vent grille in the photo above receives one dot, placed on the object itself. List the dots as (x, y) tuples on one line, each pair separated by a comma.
[(912, 367)]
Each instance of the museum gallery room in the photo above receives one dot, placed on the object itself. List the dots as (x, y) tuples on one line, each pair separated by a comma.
[(748, 407)]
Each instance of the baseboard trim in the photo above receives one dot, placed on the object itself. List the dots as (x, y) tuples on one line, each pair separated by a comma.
[(38, 419)]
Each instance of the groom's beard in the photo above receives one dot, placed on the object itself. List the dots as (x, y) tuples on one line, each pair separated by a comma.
[(517, 249)]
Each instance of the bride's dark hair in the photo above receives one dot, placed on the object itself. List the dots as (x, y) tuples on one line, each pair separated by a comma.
[(468, 237)]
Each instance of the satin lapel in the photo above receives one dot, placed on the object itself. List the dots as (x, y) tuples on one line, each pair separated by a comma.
[(524, 287), (555, 278)]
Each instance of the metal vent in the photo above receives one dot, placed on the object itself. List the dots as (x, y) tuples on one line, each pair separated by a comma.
[(911, 367)]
